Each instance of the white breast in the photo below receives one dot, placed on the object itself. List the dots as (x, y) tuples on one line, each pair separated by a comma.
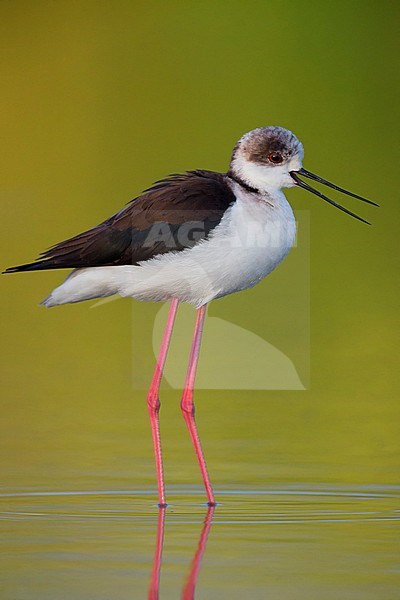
[(251, 240), (253, 237)]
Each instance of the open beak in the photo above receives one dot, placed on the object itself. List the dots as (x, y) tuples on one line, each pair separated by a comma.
[(299, 182)]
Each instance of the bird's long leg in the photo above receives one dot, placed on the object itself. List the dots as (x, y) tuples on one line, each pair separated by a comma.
[(187, 404), (153, 401)]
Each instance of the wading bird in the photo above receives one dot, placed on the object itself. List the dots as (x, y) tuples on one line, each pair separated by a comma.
[(191, 238)]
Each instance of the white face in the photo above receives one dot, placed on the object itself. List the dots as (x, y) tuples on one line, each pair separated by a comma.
[(267, 176)]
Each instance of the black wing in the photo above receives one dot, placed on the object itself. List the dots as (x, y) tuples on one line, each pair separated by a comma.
[(172, 215)]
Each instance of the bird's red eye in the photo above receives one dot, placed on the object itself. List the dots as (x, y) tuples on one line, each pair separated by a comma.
[(275, 157)]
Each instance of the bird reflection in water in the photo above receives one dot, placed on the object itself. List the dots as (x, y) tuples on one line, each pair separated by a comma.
[(190, 585)]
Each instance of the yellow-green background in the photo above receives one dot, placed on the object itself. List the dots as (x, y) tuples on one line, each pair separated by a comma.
[(98, 100)]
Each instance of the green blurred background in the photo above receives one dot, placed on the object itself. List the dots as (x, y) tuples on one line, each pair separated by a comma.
[(98, 100)]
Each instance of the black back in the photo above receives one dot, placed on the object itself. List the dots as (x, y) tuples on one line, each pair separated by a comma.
[(174, 214)]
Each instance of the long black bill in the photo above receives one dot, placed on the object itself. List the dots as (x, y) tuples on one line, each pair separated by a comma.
[(310, 175)]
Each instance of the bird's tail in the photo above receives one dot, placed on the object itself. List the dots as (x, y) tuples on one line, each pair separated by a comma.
[(82, 284)]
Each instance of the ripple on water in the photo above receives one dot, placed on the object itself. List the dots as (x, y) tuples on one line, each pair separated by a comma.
[(292, 504)]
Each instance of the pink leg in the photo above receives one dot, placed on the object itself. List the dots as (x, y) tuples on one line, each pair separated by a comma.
[(187, 404), (153, 402)]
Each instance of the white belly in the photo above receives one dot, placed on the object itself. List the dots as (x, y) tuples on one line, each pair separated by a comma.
[(253, 237)]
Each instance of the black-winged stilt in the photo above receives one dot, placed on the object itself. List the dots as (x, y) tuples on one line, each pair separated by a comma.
[(191, 238)]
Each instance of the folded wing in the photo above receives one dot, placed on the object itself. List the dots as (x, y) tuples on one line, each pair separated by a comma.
[(174, 214)]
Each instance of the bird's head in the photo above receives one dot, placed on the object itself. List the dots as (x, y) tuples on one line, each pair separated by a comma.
[(270, 158), (264, 158)]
